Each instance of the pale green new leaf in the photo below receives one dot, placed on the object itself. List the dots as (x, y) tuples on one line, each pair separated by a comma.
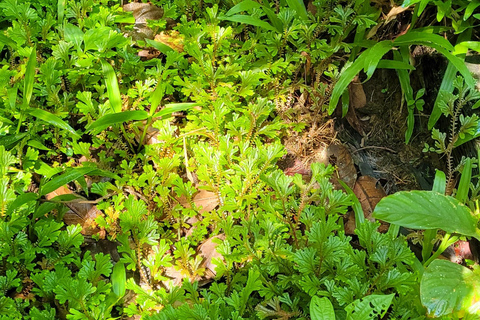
[(427, 210)]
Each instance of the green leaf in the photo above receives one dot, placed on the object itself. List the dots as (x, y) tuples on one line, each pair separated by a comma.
[(65, 178), (321, 309), (244, 6), (347, 75), (4, 40), (396, 65), (61, 9), (174, 107), (36, 144), (249, 20), (430, 39), (440, 182), (119, 279), (163, 48), (21, 200), (371, 307), (11, 140), (447, 287), (115, 118), (52, 119), (73, 34), (29, 77), (112, 87), (427, 210), (299, 7), (374, 56), (464, 184)]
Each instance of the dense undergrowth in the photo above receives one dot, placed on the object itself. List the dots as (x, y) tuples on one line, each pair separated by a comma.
[(117, 171)]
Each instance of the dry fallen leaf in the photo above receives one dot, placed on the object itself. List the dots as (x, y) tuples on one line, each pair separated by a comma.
[(81, 212), (339, 156), (358, 99), (369, 192), (208, 251), (205, 200)]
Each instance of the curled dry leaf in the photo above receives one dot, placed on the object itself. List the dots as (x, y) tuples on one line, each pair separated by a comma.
[(81, 212), (369, 192)]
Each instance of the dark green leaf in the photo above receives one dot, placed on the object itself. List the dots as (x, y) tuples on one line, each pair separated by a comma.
[(21, 200)]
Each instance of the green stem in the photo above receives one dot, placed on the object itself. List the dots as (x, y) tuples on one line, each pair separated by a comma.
[(447, 241)]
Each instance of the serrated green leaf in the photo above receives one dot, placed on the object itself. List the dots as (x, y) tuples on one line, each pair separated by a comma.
[(426, 210), (321, 309), (112, 87), (115, 118), (52, 119), (65, 178)]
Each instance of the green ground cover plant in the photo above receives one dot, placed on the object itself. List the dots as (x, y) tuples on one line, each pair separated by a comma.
[(133, 142)]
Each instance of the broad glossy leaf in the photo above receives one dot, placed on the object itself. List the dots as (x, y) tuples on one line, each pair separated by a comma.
[(29, 77), (447, 287), (112, 87), (59, 181), (427, 210), (321, 309), (249, 20), (115, 118), (52, 119), (73, 34)]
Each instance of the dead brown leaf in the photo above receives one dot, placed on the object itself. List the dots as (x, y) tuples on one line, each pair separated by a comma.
[(208, 251), (339, 156), (143, 11), (369, 192), (358, 99), (205, 200), (394, 11), (81, 212)]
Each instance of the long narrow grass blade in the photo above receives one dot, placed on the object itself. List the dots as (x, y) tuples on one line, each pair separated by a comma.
[(299, 7), (116, 118), (52, 119), (65, 178), (243, 6), (465, 179), (29, 78), (174, 107), (112, 87), (249, 20)]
